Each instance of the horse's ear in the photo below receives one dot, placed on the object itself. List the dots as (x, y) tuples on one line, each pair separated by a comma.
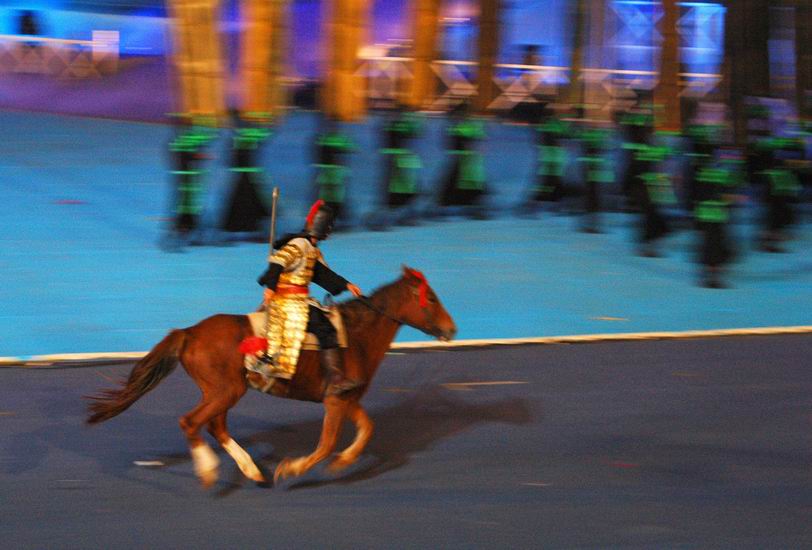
[(414, 276)]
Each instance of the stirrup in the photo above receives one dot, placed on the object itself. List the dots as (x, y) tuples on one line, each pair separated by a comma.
[(340, 388), (266, 366)]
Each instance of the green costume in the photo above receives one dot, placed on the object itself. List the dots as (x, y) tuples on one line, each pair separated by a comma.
[(552, 160), (599, 172), (331, 171), (654, 192), (187, 154), (637, 127), (464, 184), (780, 189), (402, 164), (716, 183)]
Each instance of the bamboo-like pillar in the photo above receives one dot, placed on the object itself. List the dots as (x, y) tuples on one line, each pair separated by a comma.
[(197, 58), (425, 31), (262, 57), (666, 94), (575, 90), (803, 56), (344, 95), (597, 58), (747, 66), (488, 48)]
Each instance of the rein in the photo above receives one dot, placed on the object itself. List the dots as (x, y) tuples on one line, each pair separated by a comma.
[(421, 292), (367, 302)]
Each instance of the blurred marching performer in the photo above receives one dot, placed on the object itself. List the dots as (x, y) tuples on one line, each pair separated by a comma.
[(654, 194), (246, 211), (200, 99), (599, 173), (715, 188), (187, 152), (701, 141), (200, 75), (331, 151), (637, 127), (758, 152), (402, 166), (780, 189), (548, 182), (464, 184)]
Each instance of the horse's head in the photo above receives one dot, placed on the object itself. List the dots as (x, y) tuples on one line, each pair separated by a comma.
[(422, 308)]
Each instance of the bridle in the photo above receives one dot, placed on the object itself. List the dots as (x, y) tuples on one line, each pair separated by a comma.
[(367, 302)]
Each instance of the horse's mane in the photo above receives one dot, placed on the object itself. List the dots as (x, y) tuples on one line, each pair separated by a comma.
[(356, 313)]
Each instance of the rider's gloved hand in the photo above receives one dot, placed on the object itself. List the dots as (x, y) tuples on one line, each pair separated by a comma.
[(355, 290)]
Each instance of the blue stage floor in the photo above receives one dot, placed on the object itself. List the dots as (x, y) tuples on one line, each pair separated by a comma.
[(83, 204)]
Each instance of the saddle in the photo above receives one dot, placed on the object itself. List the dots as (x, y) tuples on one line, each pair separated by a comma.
[(272, 385), (311, 343)]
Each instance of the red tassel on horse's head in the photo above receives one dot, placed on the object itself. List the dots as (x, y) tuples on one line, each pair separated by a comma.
[(424, 284), (313, 211)]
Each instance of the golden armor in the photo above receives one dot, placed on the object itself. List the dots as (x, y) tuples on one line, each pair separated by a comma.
[(289, 309)]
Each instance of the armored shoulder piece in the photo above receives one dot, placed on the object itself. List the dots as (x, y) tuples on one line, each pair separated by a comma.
[(289, 254), (297, 258)]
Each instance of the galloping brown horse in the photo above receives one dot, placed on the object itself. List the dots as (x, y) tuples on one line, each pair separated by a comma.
[(208, 351)]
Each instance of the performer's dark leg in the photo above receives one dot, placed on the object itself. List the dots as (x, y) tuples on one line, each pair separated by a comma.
[(448, 195), (331, 355), (591, 216), (770, 236), (648, 222), (713, 255), (397, 200)]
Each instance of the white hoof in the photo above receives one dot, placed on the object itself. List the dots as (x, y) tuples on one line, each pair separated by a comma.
[(206, 463), (244, 461)]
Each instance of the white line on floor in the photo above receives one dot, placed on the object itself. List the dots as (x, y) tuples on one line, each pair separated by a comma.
[(84, 358)]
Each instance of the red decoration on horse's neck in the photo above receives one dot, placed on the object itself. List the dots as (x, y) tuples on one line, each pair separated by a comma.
[(424, 285), (313, 211)]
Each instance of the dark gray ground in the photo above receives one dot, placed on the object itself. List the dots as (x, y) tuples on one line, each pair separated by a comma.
[(692, 443)]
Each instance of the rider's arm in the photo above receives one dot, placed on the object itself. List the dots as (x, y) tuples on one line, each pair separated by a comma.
[(278, 262), (328, 279), (271, 276)]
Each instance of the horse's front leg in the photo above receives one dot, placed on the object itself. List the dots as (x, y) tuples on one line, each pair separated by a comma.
[(335, 410), (364, 428)]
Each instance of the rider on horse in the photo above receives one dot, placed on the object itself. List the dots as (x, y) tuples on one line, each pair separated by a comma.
[(292, 312)]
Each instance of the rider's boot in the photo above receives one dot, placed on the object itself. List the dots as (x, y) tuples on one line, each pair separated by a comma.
[(337, 382)]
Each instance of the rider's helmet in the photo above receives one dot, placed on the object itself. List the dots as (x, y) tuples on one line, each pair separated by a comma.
[(319, 221)]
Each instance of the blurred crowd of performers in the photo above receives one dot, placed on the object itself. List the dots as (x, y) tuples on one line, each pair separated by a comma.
[(694, 180)]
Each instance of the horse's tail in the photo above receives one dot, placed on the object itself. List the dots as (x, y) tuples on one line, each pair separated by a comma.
[(146, 374)]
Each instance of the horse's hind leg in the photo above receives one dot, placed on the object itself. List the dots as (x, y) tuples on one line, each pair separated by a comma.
[(334, 412), (217, 428), (205, 461), (363, 433)]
